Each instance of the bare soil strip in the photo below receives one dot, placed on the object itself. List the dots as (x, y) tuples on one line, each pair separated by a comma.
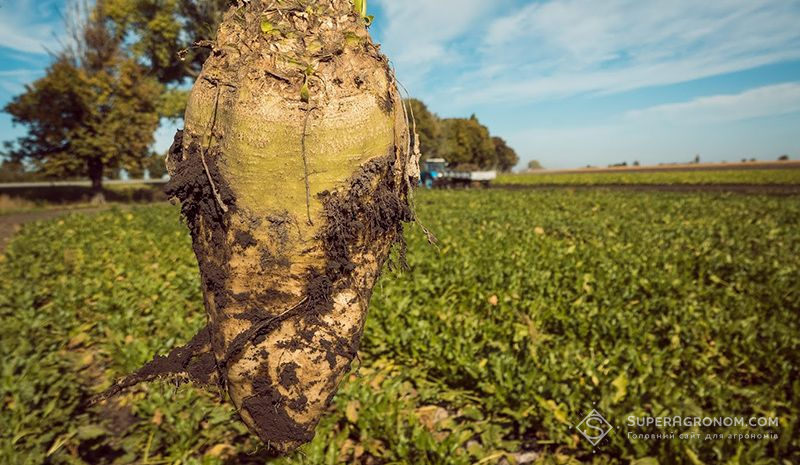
[(755, 165), (757, 189)]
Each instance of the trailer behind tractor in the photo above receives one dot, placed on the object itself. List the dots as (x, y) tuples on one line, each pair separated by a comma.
[(436, 173)]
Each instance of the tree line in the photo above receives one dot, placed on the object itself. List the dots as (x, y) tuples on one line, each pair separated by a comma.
[(464, 142), (127, 66)]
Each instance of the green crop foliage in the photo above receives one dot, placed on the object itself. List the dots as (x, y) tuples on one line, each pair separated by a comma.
[(720, 176), (534, 306)]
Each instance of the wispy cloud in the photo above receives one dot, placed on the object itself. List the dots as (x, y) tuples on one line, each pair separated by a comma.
[(559, 48), (566, 83), (420, 35), (13, 81), (19, 73), (30, 26), (763, 101)]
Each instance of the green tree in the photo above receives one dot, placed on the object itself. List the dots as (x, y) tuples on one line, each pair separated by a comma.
[(171, 38), (94, 111), (428, 128), (534, 165), (466, 144), (156, 166), (506, 156), (14, 171)]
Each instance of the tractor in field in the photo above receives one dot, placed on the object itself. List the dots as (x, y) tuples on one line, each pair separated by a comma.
[(436, 173)]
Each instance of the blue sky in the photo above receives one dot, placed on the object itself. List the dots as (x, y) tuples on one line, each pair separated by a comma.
[(567, 82)]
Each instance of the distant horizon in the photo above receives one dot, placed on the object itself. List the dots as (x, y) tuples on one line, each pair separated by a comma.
[(688, 165), (569, 83)]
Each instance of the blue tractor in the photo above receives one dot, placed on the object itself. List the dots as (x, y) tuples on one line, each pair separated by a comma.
[(432, 174)]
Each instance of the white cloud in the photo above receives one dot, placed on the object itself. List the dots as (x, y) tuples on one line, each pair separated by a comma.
[(567, 83), (419, 34), (19, 73), (560, 48), (779, 99), (13, 81), (30, 26)]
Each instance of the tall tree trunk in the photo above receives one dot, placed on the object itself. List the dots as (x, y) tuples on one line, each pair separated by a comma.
[(95, 166)]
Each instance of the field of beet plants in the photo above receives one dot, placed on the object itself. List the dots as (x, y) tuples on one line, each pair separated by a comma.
[(535, 308)]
